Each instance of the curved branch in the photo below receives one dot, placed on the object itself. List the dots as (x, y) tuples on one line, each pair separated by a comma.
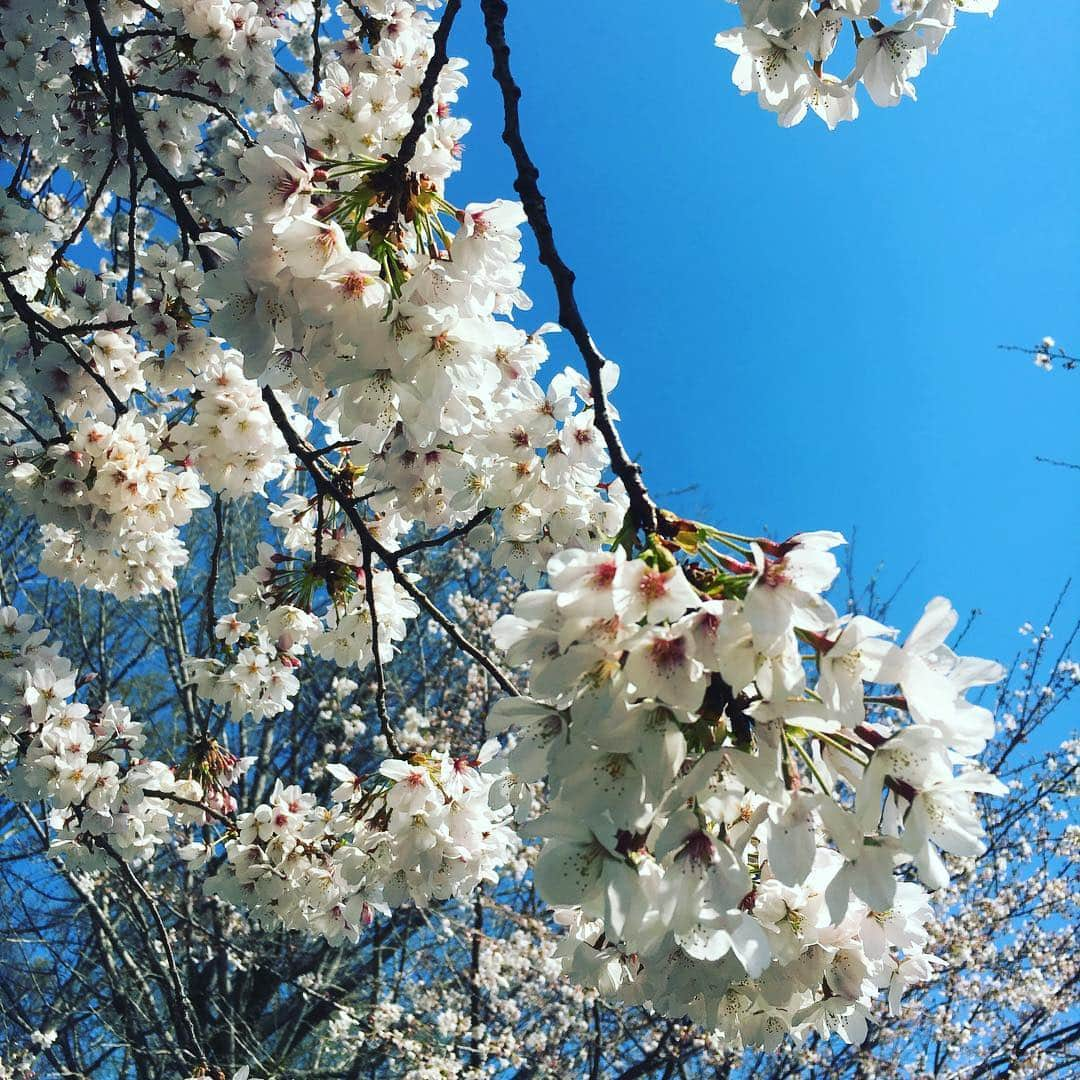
[(427, 88), (445, 538), (136, 135), (526, 185)]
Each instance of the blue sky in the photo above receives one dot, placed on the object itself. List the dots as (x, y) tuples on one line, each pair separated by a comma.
[(808, 323)]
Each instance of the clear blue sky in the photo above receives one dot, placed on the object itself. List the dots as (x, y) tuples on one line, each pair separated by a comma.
[(808, 322)]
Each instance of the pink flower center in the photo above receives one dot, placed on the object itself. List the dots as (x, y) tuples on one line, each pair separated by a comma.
[(286, 185), (668, 653), (353, 285), (774, 575), (603, 575), (654, 585), (699, 848), (326, 242)]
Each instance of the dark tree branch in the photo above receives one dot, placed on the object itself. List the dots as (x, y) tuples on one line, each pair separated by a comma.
[(182, 1010), (427, 88), (37, 323), (91, 206), (445, 538), (201, 99), (34, 433), (316, 49), (381, 711), (526, 185), (136, 135)]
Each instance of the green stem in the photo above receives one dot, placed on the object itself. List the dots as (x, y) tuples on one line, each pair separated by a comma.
[(809, 764)]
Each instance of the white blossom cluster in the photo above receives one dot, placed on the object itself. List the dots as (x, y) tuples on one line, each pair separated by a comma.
[(724, 821), (26, 242), (397, 329), (783, 45), (418, 830), (433, 391), (232, 442), (231, 60), (267, 635), (1047, 351), (84, 763), (110, 505)]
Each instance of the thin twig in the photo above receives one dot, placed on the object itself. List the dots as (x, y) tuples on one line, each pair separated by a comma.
[(208, 810), (202, 99), (210, 618), (16, 176), (453, 631), (26, 424), (445, 538), (287, 75), (1055, 352), (381, 711), (91, 206), (1061, 464), (183, 1005), (36, 322)]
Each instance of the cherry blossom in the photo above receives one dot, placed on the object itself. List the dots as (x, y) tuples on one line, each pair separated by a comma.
[(782, 46)]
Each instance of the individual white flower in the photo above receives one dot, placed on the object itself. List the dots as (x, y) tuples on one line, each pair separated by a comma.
[(786, 591), (943, 814), (279, 180), (412, 789), (773, 67), (585, 582), (934, 680), (661, 664), (790, 838), (853, 654), (831, 99), (573, 862), (887, 62), (310, 245), (642, 591)]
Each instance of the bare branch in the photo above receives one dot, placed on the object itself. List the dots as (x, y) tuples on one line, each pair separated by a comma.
[(526, 185), (182, 1010), (380, 675)]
